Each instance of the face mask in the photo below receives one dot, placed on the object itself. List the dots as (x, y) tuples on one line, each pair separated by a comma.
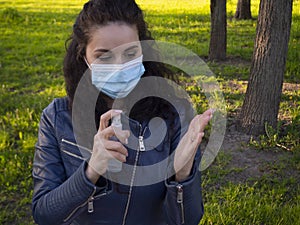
[(117, 80)]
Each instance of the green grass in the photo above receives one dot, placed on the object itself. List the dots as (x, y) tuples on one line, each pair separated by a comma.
[(251, 204), (188, 23), (273, 198), (33, 35)]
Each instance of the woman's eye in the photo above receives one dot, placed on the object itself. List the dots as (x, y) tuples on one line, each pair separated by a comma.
[(104, 58), (131, 54)]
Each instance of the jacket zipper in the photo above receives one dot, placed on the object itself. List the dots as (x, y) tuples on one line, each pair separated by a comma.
[(141, 143), (91, 204), (180, 200), (141, 147), (83, 204), (76, 145), (73, 155)]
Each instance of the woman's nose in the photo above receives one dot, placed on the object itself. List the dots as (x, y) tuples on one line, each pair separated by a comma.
[(119, 60)]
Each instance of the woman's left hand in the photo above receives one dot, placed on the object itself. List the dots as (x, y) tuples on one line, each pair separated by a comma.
[(188, 145)]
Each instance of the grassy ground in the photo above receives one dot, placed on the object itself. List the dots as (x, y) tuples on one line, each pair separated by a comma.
[(31, 52)]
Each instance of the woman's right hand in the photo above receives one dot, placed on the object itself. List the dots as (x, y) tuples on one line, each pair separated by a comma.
[(104, 148)]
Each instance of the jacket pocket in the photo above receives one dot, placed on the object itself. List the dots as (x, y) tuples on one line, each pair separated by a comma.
[(71, 156)]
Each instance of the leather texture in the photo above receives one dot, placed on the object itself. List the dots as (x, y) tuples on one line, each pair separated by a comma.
[(62, 191)]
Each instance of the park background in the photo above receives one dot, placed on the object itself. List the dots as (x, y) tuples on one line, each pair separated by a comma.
[(254, 179)]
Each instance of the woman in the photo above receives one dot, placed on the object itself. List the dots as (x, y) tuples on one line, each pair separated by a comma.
[(68, 189)]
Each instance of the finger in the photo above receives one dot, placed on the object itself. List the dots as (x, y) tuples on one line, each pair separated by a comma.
[(122, 135), (198, 138), (115, 146), (199, 123), (209, 112), (203, 121), (111, 131), (116, 155), (110, 149), (106, 133), (105, 117)]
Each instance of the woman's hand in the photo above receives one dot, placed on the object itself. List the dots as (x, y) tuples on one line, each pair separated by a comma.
[(188, 145), (104, 148)]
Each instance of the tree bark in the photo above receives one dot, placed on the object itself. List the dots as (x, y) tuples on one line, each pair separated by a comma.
[(262, 99), (218, 38), (243, 10)]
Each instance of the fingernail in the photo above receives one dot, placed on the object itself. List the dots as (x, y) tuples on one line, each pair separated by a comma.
[(201, 134), (118, 111), (126, 141)]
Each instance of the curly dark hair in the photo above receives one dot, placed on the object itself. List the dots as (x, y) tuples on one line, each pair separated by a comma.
[(98, 13)]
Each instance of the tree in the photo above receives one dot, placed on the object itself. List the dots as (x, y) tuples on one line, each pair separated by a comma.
[(262, 99), (218, 38), (243, 10)]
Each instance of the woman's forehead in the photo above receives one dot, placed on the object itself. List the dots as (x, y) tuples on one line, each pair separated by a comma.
[(113, 35)]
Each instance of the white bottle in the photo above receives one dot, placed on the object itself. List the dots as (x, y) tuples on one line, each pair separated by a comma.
[(115, 165)]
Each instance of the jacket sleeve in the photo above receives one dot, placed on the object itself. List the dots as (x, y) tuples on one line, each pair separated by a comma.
[(56, 198), (183, 201)]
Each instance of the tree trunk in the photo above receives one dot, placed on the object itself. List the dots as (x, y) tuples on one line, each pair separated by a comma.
[(243, 10), (218, 38), (262, 99)]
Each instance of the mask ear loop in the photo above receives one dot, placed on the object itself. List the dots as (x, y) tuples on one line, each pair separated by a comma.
[(87, 63)]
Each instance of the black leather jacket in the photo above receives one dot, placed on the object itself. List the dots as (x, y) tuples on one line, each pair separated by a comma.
[(64, 195)]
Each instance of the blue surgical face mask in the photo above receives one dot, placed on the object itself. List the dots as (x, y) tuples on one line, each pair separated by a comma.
[(117, 80)]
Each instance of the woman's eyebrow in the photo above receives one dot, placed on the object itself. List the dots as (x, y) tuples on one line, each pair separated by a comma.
[(107, 50), (102, 50), (131, 47)]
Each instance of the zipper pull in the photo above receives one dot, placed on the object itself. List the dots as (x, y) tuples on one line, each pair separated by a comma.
[(179, 193), (141, 144), (91, 205), (180, 200)]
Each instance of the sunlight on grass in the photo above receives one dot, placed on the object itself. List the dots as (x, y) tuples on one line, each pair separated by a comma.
[(45, 5), (175, 6), (189, 7)]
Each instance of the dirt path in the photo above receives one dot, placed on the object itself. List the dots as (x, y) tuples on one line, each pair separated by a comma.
[(246, 163)]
